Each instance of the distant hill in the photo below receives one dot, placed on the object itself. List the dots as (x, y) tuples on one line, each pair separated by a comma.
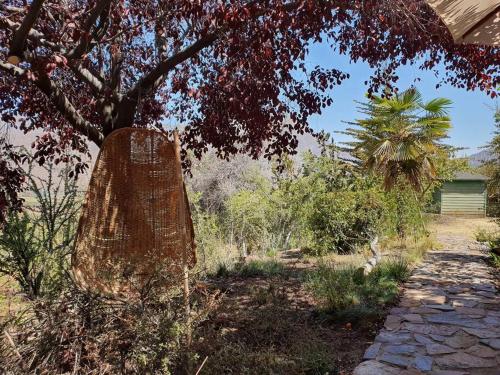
[(477, 159)]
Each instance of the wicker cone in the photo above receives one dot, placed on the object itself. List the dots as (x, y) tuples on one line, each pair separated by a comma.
[(135, 220)]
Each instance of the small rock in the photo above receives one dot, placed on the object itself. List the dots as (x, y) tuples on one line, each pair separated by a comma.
[(464, 303), (372, 351), (457, 289)]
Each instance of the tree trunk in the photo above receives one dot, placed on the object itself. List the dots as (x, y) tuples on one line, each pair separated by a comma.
[(377, 256)]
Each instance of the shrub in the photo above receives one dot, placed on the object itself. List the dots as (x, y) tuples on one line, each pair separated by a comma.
[(494, 245), (346, 293), (339, 221), (395, 269), (495, 259), (35, 244), (261, 268), (80, 332)]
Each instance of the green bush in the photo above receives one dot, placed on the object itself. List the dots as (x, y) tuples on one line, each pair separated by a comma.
[(340, 221), (348, 294), (494, 244), (261, 268), (494, 260), (395, 269), (254, 268)]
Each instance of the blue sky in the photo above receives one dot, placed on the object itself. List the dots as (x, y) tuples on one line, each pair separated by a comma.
[(471, 112)]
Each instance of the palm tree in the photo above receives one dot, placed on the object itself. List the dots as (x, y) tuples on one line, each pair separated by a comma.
[(400, 136)]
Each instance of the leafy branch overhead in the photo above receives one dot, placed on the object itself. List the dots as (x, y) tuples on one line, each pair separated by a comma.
[(234, 74)]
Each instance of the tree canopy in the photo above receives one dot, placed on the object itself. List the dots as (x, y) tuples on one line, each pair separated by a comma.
[(401, 136), (234, 74)]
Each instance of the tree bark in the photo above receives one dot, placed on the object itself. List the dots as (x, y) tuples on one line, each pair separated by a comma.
[(377, 256)]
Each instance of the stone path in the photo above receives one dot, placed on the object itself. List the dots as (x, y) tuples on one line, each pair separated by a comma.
[(448, 321)]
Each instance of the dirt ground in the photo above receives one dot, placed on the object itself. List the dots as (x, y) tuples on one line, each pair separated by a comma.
[(271, 325)]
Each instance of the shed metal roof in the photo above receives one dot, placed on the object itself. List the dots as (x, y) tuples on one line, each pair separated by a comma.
[(466, 176)]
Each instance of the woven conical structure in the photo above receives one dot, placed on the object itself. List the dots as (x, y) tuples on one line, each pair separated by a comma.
[(135, 220)]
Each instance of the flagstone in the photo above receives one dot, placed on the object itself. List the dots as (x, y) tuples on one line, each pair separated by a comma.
[(395, 359), (421, 339), (372, 351), (393, 337), (393, 322), (435, 348), (483, 333), (413, 318), (447, 323), (464, 361), (376, 368), (444, 306), (461, 340), (423, 362), (455, 319), (494, 343), (481, 351), (400, 349)]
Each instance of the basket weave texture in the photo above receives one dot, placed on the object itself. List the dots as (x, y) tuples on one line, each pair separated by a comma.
[(135, 220)]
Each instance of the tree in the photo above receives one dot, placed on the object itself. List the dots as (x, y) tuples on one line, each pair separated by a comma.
[(401, 137), (230, 72), (492, 168)]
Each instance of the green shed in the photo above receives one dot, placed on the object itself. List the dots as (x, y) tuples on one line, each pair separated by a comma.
[(464, 195)]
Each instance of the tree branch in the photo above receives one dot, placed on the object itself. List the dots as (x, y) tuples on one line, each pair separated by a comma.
[(95, 83), (33, 35), (153, 79), (19, 40), (85, 39), (150, 81), (60, 101)]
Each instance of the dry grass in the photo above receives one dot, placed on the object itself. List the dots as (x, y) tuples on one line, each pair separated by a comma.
[(10, 299), (461, 226)]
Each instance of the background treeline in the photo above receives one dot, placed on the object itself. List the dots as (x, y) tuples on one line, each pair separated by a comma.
[(319, 203)]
